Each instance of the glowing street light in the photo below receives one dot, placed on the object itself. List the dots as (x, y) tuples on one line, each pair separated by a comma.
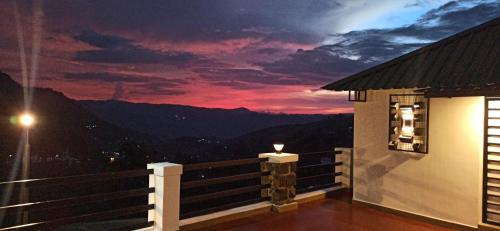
[(26, 120)]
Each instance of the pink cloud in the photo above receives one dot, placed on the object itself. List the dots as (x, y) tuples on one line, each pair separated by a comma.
[(160, 82)]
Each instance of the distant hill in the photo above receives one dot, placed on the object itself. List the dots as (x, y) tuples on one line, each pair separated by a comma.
[(169, 121), (93, 131), (63, 126), (323, 135)]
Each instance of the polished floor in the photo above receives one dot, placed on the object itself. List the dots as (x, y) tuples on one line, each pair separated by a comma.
[(332, 214)]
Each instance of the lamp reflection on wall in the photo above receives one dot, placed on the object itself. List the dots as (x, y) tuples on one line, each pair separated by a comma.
[(278, 147)]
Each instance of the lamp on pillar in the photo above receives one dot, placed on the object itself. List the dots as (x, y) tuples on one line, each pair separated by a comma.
[(278, 147), (282, 169)]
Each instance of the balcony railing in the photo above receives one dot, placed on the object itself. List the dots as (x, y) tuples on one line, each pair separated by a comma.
[(50, 213), (213, 186), (171, 192), (318, 170)]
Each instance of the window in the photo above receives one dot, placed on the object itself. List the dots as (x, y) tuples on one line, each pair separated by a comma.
[(357, 96), (408, 123)]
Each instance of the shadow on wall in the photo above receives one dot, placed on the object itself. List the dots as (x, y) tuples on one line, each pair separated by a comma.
[(371, 178), (369, 183)]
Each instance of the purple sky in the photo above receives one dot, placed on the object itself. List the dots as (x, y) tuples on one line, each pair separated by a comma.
[(261, 54)]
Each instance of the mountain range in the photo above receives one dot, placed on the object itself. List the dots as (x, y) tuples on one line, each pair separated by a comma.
[(62, 125), (136, 133), (168, 121)]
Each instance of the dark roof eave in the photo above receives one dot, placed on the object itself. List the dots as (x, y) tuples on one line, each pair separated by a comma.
[(486, 38), (492, 90)]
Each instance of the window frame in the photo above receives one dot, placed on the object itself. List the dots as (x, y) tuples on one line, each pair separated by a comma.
[(356, 96), (426, 126)]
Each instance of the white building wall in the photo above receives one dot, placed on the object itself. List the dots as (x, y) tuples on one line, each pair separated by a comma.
[(445, 183)]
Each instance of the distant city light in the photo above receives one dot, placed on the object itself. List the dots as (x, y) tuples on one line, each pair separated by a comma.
[(26, 120)]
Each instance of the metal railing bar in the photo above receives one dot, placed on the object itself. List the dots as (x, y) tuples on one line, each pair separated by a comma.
[(320, 165), (82, 218), (220, 180), (316, 187), (220, 164), (72, 201), (225, 193), (326, 151), (320, 175), (70, 180)]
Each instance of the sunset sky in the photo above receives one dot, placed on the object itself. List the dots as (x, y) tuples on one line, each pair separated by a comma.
[(265, 55)]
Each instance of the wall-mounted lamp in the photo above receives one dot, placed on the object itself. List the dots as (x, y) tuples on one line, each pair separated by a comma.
[(408, 122), (278, 147), (407, 125)]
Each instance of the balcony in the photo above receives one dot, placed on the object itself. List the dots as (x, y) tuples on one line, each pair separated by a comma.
[(206, 197), (332, 213)]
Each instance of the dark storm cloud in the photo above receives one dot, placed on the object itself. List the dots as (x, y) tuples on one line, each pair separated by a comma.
[(448, 19), (116, 49), (130, 86), (198, 20), (358, 50), (234, 84), (244, 78), (135, 55), (124, 92), (106, 77), (341, 58), (320, 61), (270, 50), (155, 89), (103, 77), (102, 41)]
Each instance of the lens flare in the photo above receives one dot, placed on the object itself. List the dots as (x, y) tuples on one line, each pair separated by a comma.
[(13, 120)]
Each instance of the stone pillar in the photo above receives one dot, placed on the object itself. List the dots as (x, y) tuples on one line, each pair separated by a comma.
[(282, 178), (166, 180)]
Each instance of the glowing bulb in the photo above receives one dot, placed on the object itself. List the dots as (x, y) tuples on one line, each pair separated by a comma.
[(26, 120), (407, 116), (278, 147), (407, 130)]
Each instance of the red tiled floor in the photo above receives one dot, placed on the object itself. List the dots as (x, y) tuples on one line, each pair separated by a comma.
[(327, 214)]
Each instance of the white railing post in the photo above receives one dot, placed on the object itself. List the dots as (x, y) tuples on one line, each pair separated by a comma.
[(345, 168), (166, 179)]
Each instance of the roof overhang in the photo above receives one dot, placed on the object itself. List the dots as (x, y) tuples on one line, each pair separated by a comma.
[(464, 64), (449, 93)]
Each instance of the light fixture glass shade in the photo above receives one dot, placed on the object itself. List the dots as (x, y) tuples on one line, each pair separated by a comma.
[(278, 147)]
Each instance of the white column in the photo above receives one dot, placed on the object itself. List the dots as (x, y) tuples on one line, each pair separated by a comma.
[(166, 180)]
